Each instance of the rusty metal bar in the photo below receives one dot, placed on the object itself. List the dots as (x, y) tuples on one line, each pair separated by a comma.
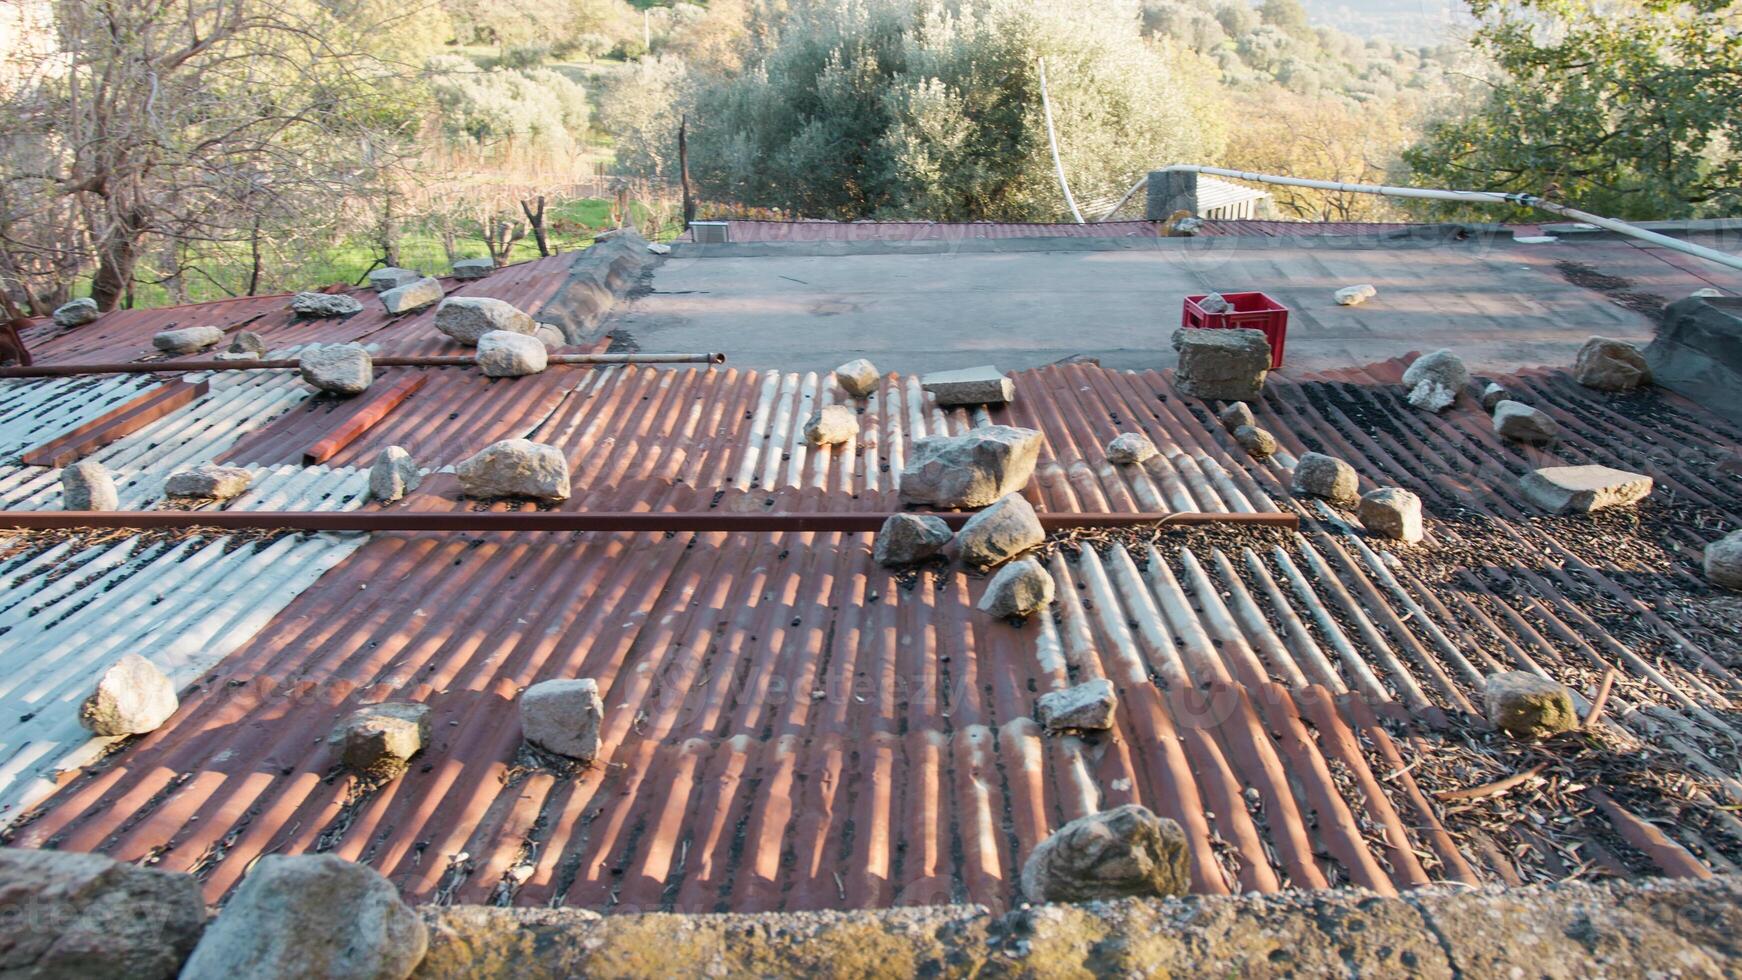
[(117, 423), (400, 520), (385, 360), (364, 413)]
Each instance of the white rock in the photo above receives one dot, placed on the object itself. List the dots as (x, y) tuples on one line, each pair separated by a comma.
[(972, 469), (132, 697), (999, 533), (563, 717), (311, 915), (87, 485), (1724, 561), (1258, 443), (468, 318), (390, 278), (187, 340), (858, 378), (75, 915), (1318, 475), (1215, 303), (909, 538), (393, 476), (324, 304), (1392, 512), (412, 296), (550, 336), (1019, 590), (831, 425), (1516, 420), (506, 354), (381, 738), (1355, 295), (1493, 395), (515, 468), (1706, 293), (210, 481), (1130, 448), (984, 385), (342, 369), (1235, 415), (247, 342), (1221, 365), (1435, 379), (76, 313), (1085, 707), (1581, 489)]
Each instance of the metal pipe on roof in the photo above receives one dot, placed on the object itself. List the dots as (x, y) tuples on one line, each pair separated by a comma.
[(1472, 197), (561, 521), (388, 360)]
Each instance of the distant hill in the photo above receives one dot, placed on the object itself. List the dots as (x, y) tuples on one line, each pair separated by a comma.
[(1403, 21)]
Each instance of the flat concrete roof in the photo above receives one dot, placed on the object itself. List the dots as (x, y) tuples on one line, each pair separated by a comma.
[(919, 306)]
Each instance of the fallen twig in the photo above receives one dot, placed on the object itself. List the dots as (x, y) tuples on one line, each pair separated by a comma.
[(1494, 788), (1602, 699)]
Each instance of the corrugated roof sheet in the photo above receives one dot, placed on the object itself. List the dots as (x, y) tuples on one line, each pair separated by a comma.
[(791, 726)]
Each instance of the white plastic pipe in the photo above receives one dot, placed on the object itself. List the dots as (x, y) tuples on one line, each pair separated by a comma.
[(1474, 197), (1052, 144)]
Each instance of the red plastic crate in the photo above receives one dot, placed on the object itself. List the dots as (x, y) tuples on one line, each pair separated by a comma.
[(1252, 311)]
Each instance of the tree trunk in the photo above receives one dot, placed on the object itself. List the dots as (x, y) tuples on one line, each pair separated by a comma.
[(536, 219), (254, 259), (683, 166)]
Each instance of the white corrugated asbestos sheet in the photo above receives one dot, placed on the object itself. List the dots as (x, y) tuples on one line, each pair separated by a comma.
[(68, 611)]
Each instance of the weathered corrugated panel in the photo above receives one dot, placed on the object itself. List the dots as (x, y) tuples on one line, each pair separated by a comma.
[(923, 231), (126, 334), (69, 608), (36, 410)]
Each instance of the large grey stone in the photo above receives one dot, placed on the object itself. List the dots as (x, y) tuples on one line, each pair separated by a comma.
[(468, 318), (1318, 475), (1435, 379), (858, 378), (474, 268), (70, 915), (999, 533), (563, 717), (1518, 421), (394, 475), (381, 738), (1228, 365), (1258, 443), (210, 481), (1120, 853), (311, 915), (1392, 512), (515, 468), (506, 354), (342, 369), (831, 425), (1581, 489), (132, 697), (76, 313), (1723, 561), (972, 469), (1494, 394), (1019, 590), (412, 296), (324, 304), (1087, 707), (1610, 365), (390, 278), (247, 342), (1524, 705), (1130, 448), (87, 485), (909, 538), (187, 340), (984, 385)]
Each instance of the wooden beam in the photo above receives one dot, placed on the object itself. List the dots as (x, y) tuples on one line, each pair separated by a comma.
[(117, 423)]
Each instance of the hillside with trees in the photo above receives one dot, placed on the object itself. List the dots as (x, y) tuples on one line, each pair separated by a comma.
[(153, 154)]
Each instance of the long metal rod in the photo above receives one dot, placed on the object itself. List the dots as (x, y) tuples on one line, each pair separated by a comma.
[(386, 360), (400, 520), (1473, 197)]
